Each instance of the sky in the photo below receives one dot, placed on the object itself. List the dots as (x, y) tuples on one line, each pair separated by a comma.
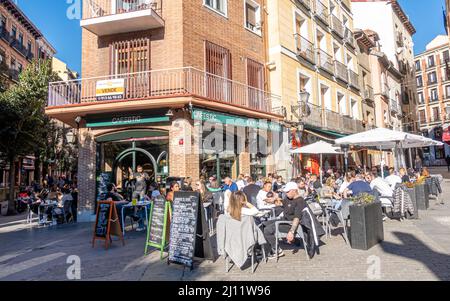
[(63, 30)]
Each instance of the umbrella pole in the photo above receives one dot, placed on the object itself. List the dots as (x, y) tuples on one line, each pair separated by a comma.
[(382, 162)]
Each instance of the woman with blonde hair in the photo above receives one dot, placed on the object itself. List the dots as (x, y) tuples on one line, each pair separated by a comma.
[(239, 206)]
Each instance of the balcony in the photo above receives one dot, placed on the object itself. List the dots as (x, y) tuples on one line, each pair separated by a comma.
[(321, 11), (336, 26), (4, 34), (106, 17), (161, 85), (353, 79), (348, 36), (341, 71), (305, 3), (305, 49), (20, 48), (315, 118), (325, 61), (14, 74), (394, 107), (368, 93), (385, 90)]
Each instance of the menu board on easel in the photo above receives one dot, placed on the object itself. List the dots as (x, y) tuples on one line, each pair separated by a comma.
[(107, 223), (158, 228), (189, 234)]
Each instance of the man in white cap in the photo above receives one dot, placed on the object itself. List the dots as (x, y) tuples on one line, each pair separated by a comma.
[(293, 205)]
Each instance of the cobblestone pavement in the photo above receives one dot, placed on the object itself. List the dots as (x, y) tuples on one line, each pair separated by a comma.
[(412, 250)]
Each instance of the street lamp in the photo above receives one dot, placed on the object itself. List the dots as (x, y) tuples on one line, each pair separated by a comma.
[(70, 137), (304, 96), (345, 148)]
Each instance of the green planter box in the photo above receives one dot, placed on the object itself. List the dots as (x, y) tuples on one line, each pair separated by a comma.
[(412, 195), (366, 226), (422, 196)]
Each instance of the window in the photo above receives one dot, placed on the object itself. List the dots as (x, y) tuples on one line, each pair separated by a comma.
[(355, 109), (218, 62), (445, 56), (422, 117), (219, 6), (432, 78), (255, 79), (19, 67), (130, 56), (20, 39), (447, 91), (253, 16), (342, 104), (13, 63), (431, 61), (14, 32), (29, 47), (418, 66), (3, 23), (421, 99), (433, 95), (419, 81), (436, 114)]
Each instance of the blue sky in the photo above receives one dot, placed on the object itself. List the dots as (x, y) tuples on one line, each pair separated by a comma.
[(50, 16)]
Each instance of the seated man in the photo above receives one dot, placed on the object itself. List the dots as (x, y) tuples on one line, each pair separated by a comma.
[(357, 186), (385, 190), (393, 179), (293, 206)]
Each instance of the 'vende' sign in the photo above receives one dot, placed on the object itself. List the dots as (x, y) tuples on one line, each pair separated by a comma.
[(111, 89)]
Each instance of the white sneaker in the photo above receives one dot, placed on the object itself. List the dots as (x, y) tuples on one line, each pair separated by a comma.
[(140, 229)]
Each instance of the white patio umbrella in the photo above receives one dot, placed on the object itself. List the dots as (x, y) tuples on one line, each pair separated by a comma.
[(386, 139), (319, 148)]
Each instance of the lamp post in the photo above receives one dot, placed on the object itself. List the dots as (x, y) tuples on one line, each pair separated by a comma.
[(300, 125), (345, 148)]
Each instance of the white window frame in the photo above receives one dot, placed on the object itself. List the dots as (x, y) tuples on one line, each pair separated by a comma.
[(431, 94), (258, 16), (222, 13), (421, 99), (299, 13), (344, 99), (328, 100), (447, 95), (308, 86), (355, 101)]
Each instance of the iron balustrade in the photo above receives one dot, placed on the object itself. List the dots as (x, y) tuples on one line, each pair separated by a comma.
[(102, 8), (186, 81)]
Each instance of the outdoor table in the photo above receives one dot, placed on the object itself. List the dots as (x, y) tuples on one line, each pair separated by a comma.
[(130, 205), (46, 205)]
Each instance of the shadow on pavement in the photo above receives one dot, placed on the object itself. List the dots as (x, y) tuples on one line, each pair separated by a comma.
[(412, 248)]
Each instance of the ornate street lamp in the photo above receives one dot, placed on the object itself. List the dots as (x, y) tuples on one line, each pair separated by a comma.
[(70, 137)]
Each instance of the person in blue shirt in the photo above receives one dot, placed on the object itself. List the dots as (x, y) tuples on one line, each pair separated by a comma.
[(230, 185), (357, 186)]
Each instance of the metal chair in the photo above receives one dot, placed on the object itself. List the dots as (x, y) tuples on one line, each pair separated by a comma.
[(342, 220), (281, 235)]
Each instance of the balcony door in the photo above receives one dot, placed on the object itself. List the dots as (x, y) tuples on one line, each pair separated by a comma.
[(218, 68), (255, 79), (130, 60)]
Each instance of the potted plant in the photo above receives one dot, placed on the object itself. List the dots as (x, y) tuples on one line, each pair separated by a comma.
[(422, 194), (410, 187), (366, 222)]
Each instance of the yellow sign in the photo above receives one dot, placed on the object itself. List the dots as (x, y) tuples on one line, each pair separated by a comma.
[(112, 89)]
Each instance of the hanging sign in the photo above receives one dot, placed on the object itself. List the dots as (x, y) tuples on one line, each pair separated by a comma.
[(111, 89)]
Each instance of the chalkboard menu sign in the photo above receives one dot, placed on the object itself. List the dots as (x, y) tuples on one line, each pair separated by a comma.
[(158, 225), (103, 179), (183, 228), (106, 223), (103, 218)]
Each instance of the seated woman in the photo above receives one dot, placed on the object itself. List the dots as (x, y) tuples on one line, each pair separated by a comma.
[(239, 206), (404, 175), (329, 192), (174, 187)]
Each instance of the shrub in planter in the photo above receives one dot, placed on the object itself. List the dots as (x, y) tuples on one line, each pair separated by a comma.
[(412, 195), (422, 196), (366, 222)]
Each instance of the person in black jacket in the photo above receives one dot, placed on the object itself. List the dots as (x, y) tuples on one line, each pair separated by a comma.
[(293, 206)]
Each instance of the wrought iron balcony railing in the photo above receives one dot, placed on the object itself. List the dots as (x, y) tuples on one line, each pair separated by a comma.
[(186, 81)]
